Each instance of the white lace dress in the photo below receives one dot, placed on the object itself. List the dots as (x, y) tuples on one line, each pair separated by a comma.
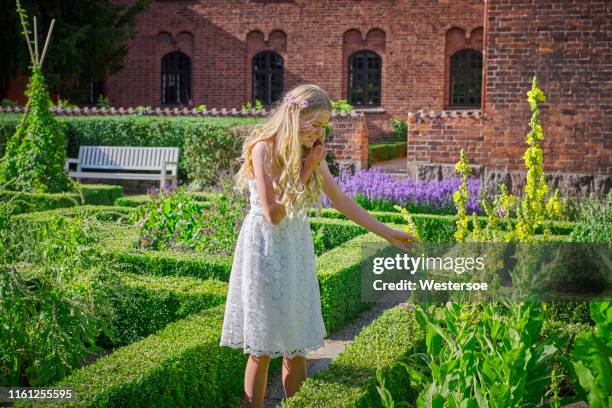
[(273, 304)]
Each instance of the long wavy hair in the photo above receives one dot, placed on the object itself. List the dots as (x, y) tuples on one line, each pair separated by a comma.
[(284, 160)]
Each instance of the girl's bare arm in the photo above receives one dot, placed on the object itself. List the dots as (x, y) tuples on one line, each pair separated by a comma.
[(353, 211), (273, 210)]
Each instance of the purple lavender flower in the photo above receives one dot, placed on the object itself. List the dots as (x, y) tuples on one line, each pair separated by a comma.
[(501, 212), (375, 185)]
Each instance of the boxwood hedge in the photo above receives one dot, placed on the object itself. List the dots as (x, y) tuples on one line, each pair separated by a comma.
[(95, 194), (206, 144), (438, 228), (140, 199), (145, 304), (180, 366), (350, 379), (339, 273)]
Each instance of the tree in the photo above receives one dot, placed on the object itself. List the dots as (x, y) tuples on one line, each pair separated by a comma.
[(89, 44)]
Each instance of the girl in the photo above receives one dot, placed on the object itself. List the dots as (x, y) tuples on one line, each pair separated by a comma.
[(273, 304)]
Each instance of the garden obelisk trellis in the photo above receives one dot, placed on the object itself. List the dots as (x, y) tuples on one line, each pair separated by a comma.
[(33, 54), (35, 154)]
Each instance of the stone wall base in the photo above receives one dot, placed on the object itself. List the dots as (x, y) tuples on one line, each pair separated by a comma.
[(572, 184)]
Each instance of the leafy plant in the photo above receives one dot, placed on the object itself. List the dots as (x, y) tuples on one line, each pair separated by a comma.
[(594, 218), (103, 102), (201, 108), (65, 104), (55, 297), (142, 110), (342, 105), (248, 106), (481, 355), (592, 358), (400, 128), (36, 153), (8, 103), (175, 220), (170, 220)]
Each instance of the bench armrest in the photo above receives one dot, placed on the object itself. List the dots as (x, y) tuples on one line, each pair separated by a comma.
[(69, 162)]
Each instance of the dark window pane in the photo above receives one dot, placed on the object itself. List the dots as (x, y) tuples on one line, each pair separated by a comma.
[(466, 78), (176, 79), (364, 79), (268, 78)]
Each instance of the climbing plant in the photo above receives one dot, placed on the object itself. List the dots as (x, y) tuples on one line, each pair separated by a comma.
[(36, 153)]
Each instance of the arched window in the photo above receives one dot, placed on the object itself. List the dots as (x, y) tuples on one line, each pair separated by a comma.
[(466, 78), (267, 77), (364, 79), (175, 79)]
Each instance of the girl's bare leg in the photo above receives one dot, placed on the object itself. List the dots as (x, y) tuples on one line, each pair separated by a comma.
[(294, 374), (255, 380)]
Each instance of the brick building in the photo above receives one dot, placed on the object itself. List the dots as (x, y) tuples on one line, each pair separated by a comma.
[(457, 70)]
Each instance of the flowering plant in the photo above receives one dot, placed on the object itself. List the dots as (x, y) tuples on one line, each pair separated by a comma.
[(292, 102), (379, 191)]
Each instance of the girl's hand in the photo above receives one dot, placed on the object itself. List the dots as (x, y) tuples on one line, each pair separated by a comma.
[(312, 159), (317, 153), (400, 239)]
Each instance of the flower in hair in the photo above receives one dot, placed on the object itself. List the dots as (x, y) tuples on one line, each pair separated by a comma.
[(291, 101)]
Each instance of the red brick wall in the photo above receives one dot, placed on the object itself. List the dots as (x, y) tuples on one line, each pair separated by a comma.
[(568, 45), (349, 140), (313, 37)]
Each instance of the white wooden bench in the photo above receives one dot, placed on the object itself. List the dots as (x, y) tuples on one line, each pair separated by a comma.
[(126, 163)]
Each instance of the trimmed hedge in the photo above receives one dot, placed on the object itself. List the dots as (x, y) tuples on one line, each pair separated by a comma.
[(386, 151), (328, 233), (140, 199), (146, 304), (180, 366), (339, 273), (206, 144), (94, 194), (350, 379), (444, 224), (119, 241), (106, 213), (119, 246)]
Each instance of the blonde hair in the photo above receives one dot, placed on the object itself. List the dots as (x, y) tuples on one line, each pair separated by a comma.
[(285, 159)]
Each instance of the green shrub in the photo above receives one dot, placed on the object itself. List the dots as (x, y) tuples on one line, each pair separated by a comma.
[(339, 273), (180, 366), (213, 150), (438, 228), (97, 194), (350, 379), (328, 234), (342, 106), (55, 298), (175, 220), (145, 304), (211, 136), (119, 245), (386, 151), (141, 199), (594, 221), (592, 358), (400, 128)]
